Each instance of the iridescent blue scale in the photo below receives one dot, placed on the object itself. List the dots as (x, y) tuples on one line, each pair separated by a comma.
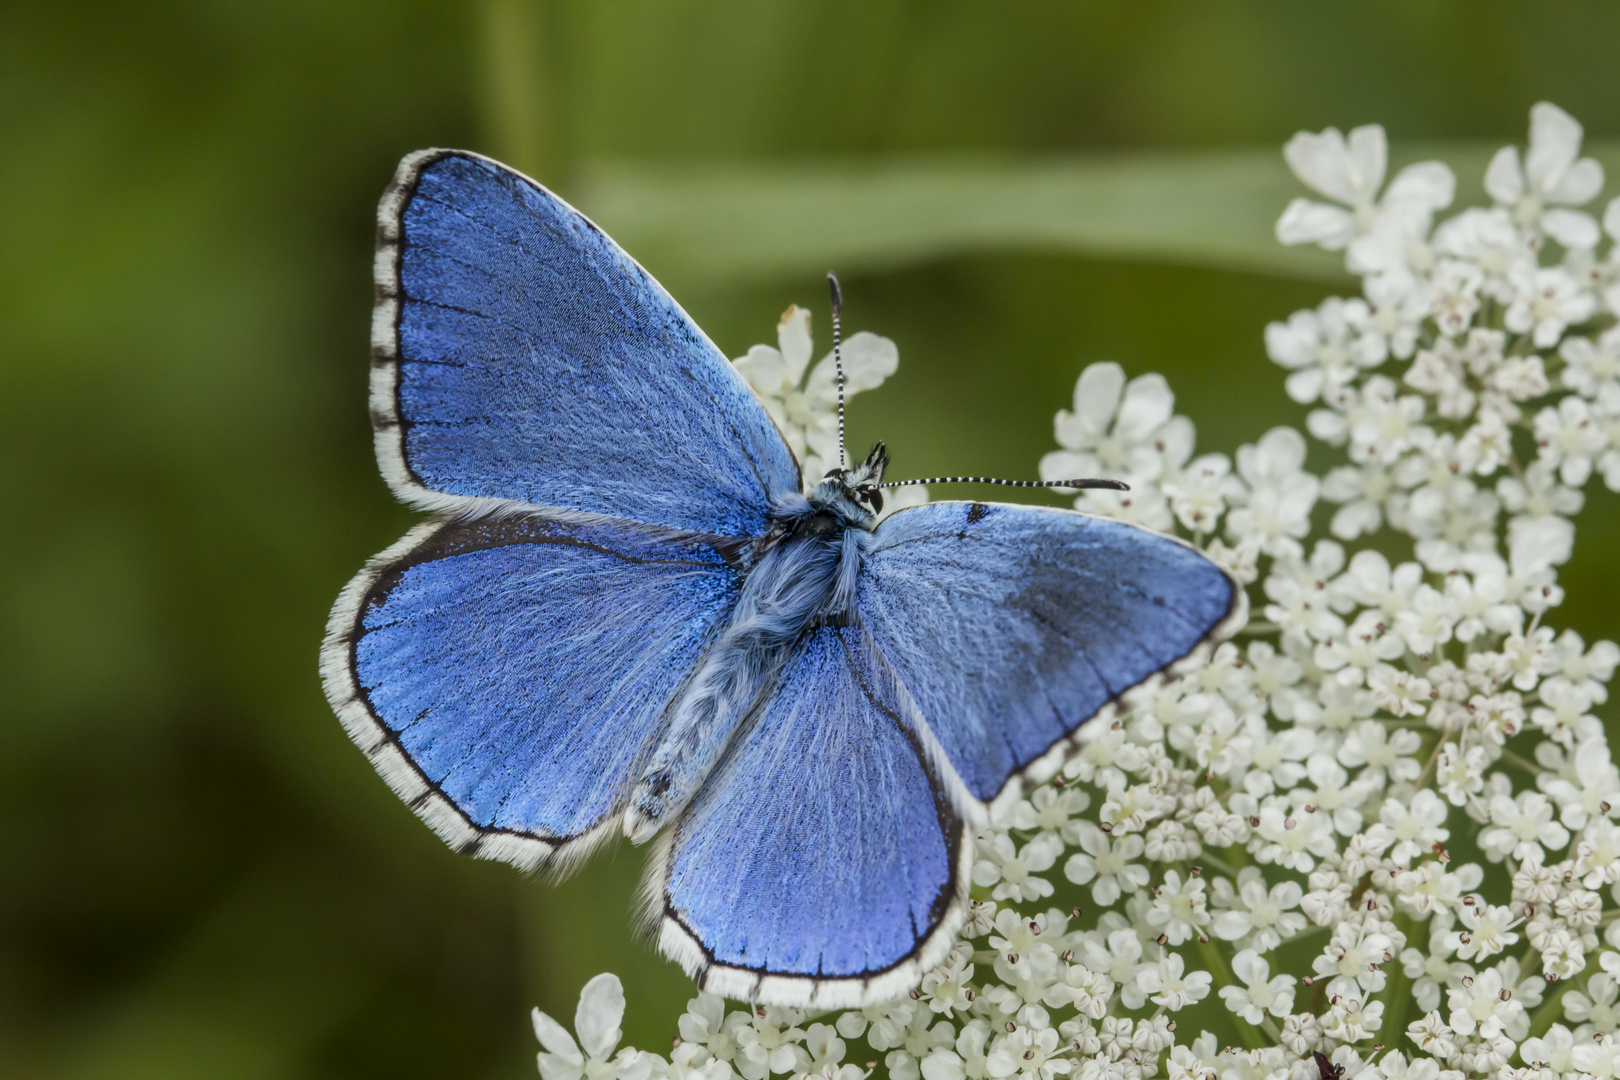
[(624, 616)]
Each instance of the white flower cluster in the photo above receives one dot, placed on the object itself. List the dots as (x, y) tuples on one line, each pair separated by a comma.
[(1380, 826)]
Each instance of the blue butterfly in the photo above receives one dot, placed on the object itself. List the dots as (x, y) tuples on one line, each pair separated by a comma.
[(626, 617)]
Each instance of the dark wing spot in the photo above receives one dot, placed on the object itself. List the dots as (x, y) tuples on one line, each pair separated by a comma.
[(976, 512)]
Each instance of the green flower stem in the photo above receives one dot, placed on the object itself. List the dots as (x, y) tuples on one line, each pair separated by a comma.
[(1552, 1009), (1237, 856), (1510, 758), (1214, 861), (1431, 764), (514, 97), (1306, 935), (1252, 1036), (1398, 994)]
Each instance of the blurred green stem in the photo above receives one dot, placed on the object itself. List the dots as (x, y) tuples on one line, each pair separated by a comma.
[(1253, 1039), (514, 99), (1399, 997), (1550, 1012)]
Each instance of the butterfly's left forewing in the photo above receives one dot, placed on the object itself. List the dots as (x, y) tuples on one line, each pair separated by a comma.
[(1008, 627), (518, 354), (822, 864)]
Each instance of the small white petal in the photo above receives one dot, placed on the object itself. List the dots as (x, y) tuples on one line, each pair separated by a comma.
[(1539, 542), (1349, 173), (601, 1007), (765, 370), (942, 1065), (1580, 185), (868, 360), (1251, 967), (1318, 159), (557, 1067), (1148, 403), (1368, 158), (1555, 141), (1309, 222), (553, 1036), (1611, 218), (1430, 184), (1572, 228), (564, 1061), (1096, 395), (793, 338), (1504, 180), (1065, 465)]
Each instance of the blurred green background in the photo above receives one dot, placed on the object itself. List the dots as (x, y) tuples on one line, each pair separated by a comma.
[(199, 875)]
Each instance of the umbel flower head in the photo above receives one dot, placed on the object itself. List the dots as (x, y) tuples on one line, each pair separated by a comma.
[(1381, 825)]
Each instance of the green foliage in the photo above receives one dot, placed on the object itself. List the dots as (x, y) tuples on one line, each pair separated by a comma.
[(202, 878)]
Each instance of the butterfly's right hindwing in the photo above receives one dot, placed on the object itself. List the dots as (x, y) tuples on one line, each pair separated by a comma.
[(509, 675), (822, 864)]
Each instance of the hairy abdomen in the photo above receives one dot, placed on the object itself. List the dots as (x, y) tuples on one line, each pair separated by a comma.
[(791, 589)]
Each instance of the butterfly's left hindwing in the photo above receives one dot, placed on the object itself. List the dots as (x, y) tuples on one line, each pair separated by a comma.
[(1010, 626), (822, 864), (508, 675)]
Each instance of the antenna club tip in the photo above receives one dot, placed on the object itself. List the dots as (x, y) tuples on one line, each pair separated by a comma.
[(1090, 485), (837, 292)]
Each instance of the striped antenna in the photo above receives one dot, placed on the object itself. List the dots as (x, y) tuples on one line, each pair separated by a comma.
[(1078, 485), (838, 359)]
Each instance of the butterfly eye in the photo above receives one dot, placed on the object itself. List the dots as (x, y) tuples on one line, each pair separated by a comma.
[(876, 499)]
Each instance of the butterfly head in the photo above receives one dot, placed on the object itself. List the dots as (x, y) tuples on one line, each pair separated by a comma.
[(856, 493)]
